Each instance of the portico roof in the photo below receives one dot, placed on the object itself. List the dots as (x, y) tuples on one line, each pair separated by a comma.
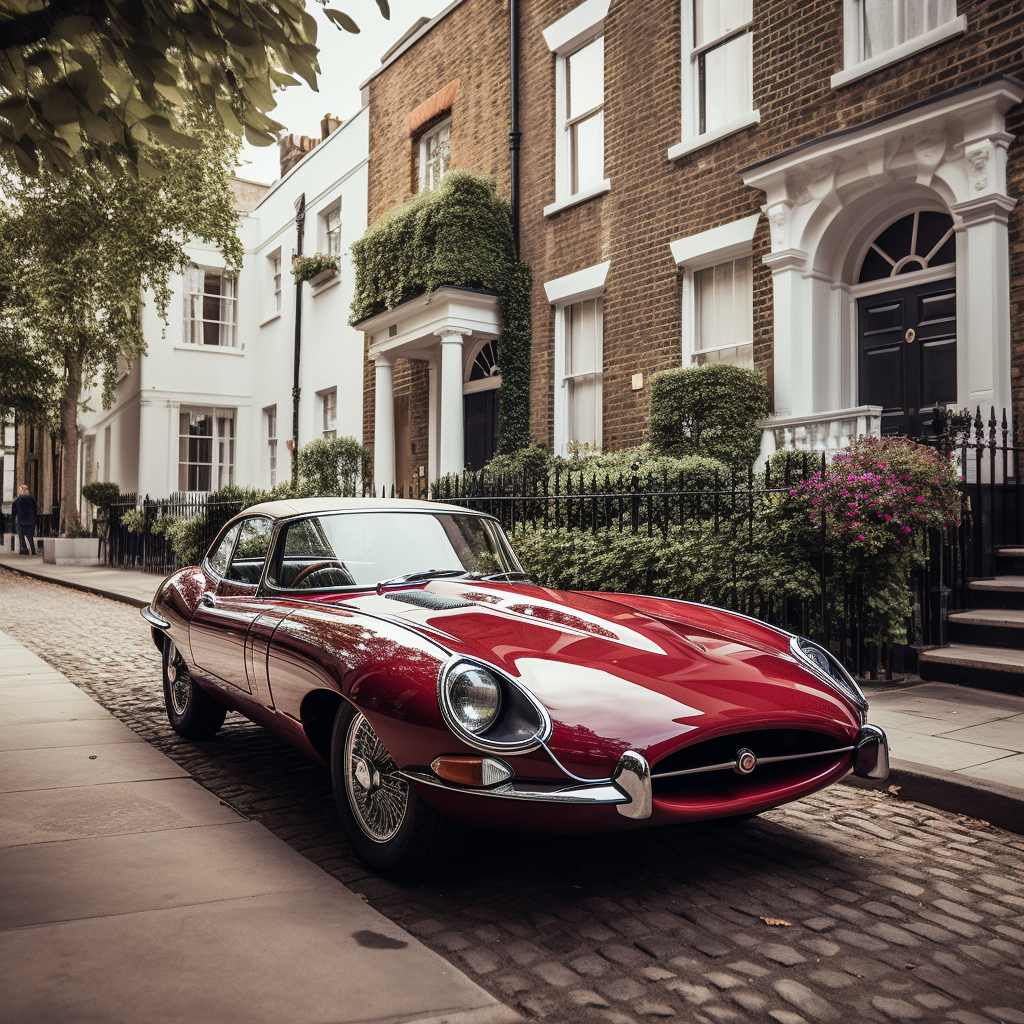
[(411, 329)]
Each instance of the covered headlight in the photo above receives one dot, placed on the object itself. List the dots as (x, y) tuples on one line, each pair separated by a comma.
[(475, 697), (828, 668), (490, 710)]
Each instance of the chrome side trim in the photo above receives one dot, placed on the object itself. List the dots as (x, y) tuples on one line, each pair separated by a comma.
[(540, 792), (633, 776), (154, 618), (760, 761)]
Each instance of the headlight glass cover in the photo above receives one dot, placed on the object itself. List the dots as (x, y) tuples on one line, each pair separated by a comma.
[(475, 697), (827, 666), (490, 710)]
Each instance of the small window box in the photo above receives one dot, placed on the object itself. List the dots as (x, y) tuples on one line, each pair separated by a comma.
[(323, 276)]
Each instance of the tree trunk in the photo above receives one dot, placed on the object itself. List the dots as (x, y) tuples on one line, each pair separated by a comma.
[(69, 518)]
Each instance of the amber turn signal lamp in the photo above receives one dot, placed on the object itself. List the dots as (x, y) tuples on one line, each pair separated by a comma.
[(472, 771)]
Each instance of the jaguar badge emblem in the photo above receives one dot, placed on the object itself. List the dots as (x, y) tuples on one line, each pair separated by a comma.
[(746, 761)]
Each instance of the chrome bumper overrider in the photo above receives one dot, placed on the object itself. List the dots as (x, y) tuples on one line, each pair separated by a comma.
[(629, 788), (154, 618), (871, 753)]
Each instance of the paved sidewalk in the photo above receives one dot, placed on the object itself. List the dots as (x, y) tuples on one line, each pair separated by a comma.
[(952, 747), (131, 893), (956, 748), (130, 587)]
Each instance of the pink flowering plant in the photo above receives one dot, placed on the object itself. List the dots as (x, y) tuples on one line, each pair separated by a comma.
[(879, 499), (882, 494)]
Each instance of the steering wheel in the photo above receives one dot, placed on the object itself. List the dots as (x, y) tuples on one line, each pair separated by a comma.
[(331, 563)]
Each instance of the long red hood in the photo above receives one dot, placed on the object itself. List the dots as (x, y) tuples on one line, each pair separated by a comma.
[(621, 671)]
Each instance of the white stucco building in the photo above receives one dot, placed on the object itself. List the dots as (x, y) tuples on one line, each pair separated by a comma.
[(211, 402)]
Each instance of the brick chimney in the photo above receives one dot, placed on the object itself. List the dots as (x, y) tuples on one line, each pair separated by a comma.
[(330, 123), (292, 149)]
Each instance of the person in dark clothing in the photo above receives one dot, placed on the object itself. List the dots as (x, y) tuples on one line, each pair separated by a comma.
[(24, 510), (3, 527)]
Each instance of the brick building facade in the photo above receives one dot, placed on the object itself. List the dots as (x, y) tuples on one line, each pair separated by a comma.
[(807, 189)]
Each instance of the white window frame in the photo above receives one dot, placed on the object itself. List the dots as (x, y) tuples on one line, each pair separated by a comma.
[(582, 25), (322, 406), (856, 67), (330, 233), (721, 244), (222, 471), (228, 329), (692, 139), (275, 285), (423, 145), (270, 425), (562, 293)]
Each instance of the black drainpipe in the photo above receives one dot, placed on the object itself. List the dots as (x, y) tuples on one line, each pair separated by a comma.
[(514, 134), (300, 230)]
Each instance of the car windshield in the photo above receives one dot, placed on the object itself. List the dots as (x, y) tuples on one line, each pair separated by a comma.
[(365, 548)]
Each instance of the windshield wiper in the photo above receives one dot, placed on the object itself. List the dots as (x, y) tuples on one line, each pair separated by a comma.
[(506, 577), (423, 574)]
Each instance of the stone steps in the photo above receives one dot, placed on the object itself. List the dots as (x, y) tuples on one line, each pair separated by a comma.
[(1000, 592), (985, 668)]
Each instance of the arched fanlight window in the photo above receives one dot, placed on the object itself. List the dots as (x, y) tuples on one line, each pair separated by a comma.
[(485, 363), (915, 242)]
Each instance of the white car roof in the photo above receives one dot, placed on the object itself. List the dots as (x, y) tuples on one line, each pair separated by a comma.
[(306, 506)]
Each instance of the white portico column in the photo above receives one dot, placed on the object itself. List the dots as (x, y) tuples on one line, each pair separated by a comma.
[(383, 425), (452, 454)]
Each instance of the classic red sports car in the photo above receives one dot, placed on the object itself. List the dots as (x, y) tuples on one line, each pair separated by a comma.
[(401, 644)]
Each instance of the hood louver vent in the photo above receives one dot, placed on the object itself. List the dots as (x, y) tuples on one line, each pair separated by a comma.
[(425, 599)]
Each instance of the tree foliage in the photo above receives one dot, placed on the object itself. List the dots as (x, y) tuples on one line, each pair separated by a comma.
[(80, 250), (87, 81), (334, 465), (458, 235)]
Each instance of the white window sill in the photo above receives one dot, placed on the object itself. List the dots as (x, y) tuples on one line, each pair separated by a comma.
[(270, 319), (700, 141), (581, 197), (326, 286), (952, 28), (223, 350)]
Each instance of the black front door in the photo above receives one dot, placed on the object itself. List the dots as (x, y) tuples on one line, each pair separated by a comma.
[(907, 359), (481, 424)]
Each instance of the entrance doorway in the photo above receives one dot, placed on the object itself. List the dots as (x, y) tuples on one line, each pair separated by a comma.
[(906, 336), (480, 405), (907, 358)]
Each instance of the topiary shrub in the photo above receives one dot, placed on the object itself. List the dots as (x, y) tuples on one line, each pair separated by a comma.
[(102, 494), (333, 466), (709, 410)]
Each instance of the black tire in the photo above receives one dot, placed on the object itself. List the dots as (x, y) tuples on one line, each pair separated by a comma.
[(390, 829), (192, 712)]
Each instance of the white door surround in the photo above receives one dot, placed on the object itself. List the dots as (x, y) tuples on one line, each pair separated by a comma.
[(432, 328), (826, 202)]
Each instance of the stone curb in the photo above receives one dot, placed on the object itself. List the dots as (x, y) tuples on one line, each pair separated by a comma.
[(999, 805), (111, 595)]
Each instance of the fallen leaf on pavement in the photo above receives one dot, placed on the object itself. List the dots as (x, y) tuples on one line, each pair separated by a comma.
[(777, 921)]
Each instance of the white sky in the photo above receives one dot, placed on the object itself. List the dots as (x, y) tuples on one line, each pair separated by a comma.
[(345, 61)]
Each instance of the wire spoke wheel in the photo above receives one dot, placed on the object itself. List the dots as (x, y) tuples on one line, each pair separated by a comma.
[(179, 683), (378, 795)]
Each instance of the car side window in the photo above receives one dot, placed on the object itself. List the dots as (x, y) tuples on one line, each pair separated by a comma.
[(251, 551), (222, 552)]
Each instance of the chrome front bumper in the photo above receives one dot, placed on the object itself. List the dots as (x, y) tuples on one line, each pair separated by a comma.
[(629, 788)]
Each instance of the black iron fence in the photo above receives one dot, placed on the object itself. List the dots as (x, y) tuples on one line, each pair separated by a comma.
[(836, 613)]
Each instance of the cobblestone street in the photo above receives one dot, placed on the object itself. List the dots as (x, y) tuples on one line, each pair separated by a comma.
[(849, 906)]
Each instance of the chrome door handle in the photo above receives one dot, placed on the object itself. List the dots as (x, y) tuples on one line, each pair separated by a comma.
[(208, 599)]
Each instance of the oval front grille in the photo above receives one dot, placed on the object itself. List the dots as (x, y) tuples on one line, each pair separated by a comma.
[(765, 743)]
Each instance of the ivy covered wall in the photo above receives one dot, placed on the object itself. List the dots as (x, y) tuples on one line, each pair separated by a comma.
[(459, 235)]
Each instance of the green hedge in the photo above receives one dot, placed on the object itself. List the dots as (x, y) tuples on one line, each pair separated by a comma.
[(709, 410), (459, 235)]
